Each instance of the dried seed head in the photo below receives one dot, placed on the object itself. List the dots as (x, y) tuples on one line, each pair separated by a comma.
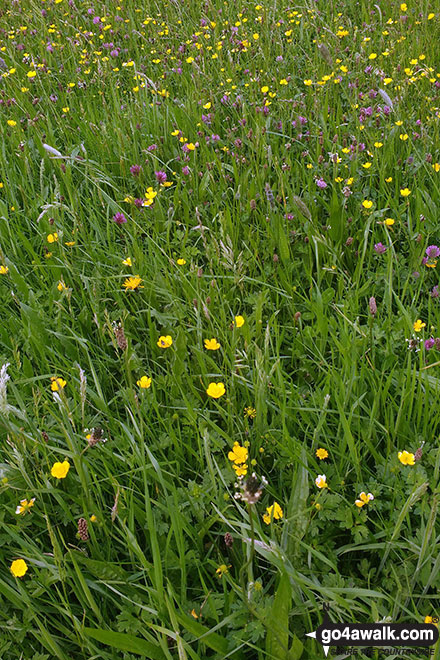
[(269, 195), (373, 307), (120, 337), (95, 436), (83, 529), (115, 507), (419, 453), (229, 540), (44, 436), (251, 490), (4, 377), (324, 51)]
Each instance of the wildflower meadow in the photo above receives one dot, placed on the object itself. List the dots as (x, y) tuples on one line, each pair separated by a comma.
[(220, 325)]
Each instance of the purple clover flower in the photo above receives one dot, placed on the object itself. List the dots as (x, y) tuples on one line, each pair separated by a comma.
[(161, 176), (135, 170), (432, 252), (379, 248), (119, 218)]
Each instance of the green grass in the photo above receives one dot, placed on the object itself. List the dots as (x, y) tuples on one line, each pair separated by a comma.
[(260, 239)]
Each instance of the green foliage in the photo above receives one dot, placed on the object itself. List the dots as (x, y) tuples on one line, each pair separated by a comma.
[(287, 135)]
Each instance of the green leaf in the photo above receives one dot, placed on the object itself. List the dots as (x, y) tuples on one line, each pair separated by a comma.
[(125, 642), (296, 650), (212, 640), (277, 639), (336, 218)]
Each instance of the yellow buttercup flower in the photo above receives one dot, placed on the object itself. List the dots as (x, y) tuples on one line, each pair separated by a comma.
[(364, 498), (212, 344), (216, 390), (4, 270), (389, 222), (405, 192), (239, 321), (406, 458), (429, 619), (127, 262), (322, 453), (52, 238), (144, 382), (222, 570), (321, 481), (165, 341), (238, 454), (240, 470), (60, 470), (181, 262), (24, 506), (418, 325), (19, 568), (150, 193), (57, 384), (367, 204), (273, 512)]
